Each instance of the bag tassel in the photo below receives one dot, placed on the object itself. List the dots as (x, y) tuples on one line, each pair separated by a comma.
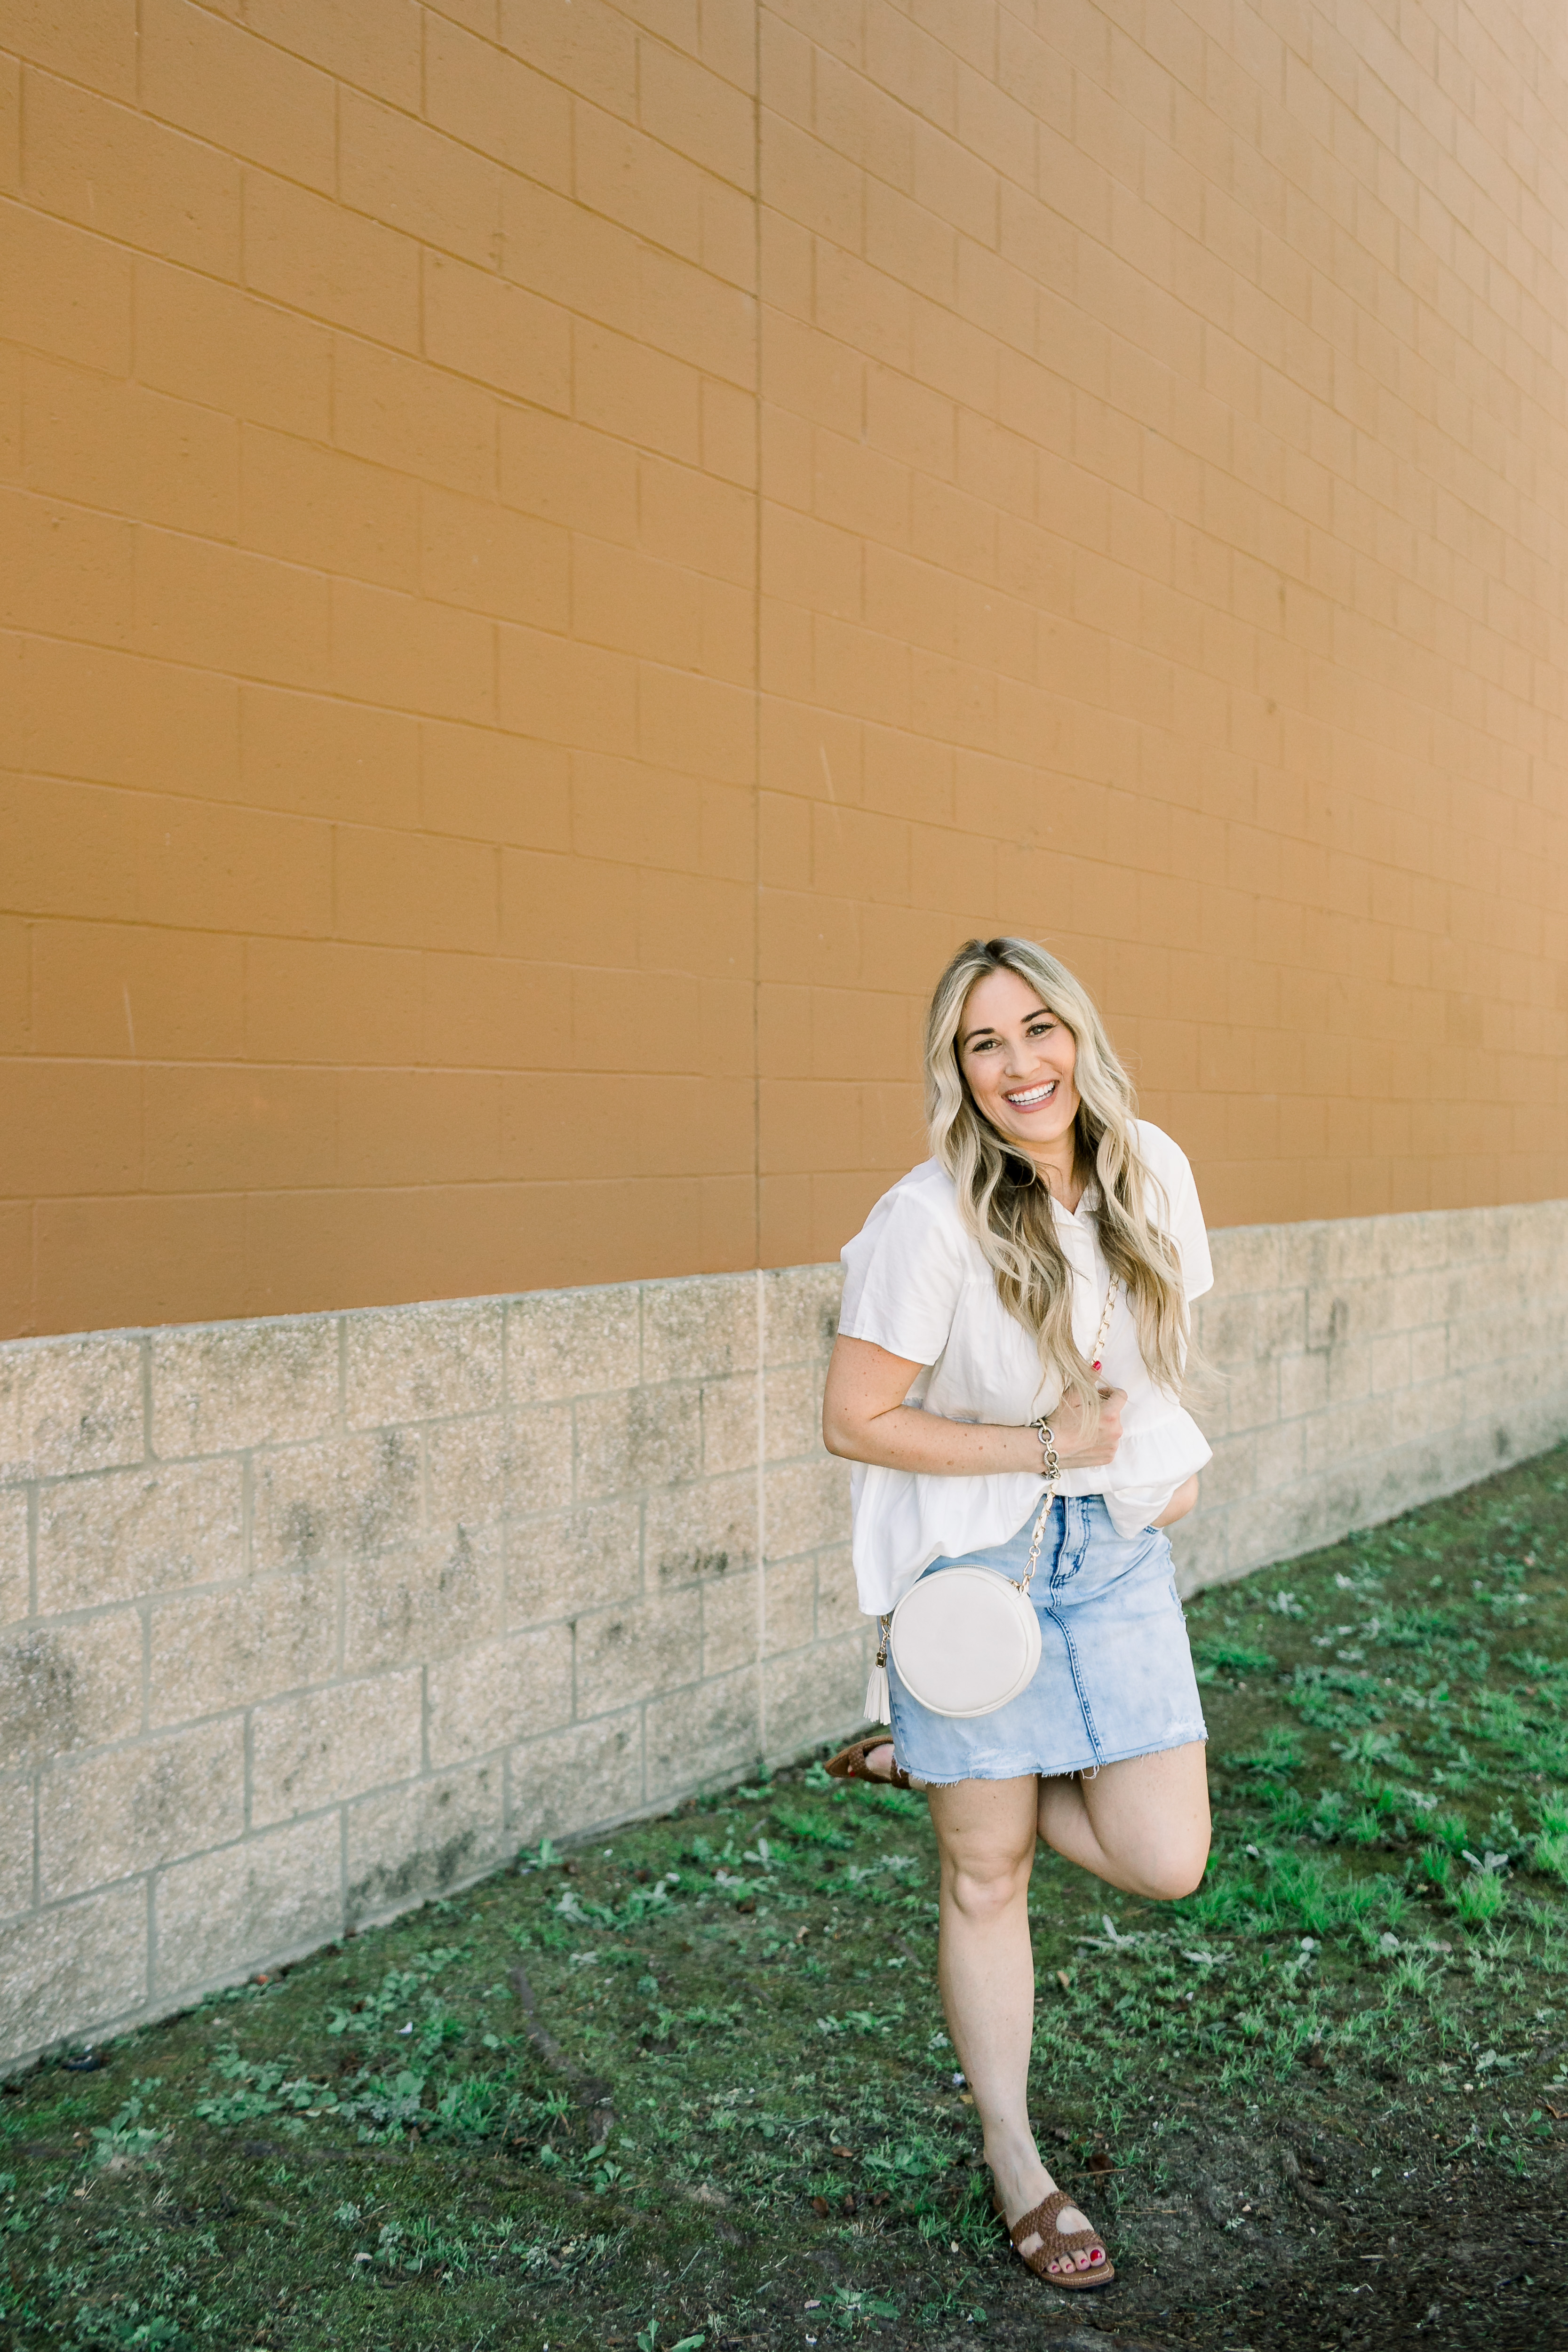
[(876, 1686)]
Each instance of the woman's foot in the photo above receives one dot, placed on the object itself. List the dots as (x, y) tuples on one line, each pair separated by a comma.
[(1019, 2191), (868, 1759)]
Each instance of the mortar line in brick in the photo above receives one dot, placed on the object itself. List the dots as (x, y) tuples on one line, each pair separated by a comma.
[(144, 1621), (642, 1499), (152, 1961)]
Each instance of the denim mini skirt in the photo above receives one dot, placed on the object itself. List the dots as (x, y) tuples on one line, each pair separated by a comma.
[(1115, 1677)]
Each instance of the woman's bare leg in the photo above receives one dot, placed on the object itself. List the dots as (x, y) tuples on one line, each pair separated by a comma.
[(1143, 1825), (985, 1833)]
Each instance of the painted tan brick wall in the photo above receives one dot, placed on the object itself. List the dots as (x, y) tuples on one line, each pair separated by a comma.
[(555, 556)]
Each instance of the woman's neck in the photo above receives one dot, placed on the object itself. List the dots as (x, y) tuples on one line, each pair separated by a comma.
[(1055, 1164)]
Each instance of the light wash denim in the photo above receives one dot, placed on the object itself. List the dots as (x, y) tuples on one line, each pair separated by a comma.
[(1115, 1677)]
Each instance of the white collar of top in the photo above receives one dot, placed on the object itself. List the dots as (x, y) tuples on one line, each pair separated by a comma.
[(1089, 1199)]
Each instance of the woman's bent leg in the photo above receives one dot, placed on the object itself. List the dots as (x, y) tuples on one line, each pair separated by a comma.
[(985, 1833), (1143, 1825)]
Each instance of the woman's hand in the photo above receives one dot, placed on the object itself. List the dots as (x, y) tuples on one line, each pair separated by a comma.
[(1075, 1452)]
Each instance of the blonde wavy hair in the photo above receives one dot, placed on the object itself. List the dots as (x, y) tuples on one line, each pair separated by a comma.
[(1005, 1204)]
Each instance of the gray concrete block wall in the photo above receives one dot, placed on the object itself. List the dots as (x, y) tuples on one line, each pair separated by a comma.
[(303, 1620), (1368, 1363)]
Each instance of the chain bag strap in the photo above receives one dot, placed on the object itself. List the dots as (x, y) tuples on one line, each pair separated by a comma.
[(1051, 1468)]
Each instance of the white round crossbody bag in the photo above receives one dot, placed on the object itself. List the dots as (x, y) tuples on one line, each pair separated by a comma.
[(968, 1641)]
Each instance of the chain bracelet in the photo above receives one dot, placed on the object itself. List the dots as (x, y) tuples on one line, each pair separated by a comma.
[(1050, 1468)]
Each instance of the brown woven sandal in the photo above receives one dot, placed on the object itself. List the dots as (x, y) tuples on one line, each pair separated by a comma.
[(849, 1764), (1041, 2223)]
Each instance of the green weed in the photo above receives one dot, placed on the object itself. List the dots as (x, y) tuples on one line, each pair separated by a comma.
[(1220, 1655), (1478, 1897), (814, 1829), (1279, 1752)]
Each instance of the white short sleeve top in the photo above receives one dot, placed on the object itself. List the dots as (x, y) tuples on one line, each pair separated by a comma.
[(917, 1284)]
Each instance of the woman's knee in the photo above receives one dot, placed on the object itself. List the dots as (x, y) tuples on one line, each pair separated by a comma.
[(1173, 1870), (983, 1886)]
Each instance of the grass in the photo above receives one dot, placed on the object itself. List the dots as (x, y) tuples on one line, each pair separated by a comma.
[(692, 2086)]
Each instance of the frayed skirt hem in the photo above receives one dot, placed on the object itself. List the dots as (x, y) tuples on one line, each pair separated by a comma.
[(1090, 1766)]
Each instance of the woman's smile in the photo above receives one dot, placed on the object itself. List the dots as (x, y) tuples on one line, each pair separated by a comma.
[(1019, 1060)]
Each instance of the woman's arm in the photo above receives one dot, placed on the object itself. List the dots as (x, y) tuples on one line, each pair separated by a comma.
[(865, 1419)]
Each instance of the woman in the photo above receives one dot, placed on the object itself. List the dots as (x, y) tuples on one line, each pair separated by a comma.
[(1053, 1237)]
